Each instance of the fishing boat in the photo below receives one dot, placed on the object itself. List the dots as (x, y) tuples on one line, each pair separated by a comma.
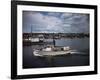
[(52, 51)]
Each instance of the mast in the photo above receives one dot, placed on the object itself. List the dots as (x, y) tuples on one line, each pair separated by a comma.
[(53, 40), (31, 31)]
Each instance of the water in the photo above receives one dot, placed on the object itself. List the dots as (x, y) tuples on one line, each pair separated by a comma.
[(80, 44), (76, 43)]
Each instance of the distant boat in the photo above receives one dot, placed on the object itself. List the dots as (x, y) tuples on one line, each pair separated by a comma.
[(39, 38), (34, 39)]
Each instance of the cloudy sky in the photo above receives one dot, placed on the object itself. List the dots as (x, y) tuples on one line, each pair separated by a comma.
[(55, 22)]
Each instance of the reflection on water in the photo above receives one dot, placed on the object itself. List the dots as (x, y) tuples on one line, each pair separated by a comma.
[(82, 45)]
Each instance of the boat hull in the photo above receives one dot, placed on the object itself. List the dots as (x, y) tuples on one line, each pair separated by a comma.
[(51, 53)]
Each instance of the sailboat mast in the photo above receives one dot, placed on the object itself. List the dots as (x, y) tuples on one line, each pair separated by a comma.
[(53, 40), (31, 30)]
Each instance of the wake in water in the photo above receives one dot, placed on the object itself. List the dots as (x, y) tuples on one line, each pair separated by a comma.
[(79, 52)]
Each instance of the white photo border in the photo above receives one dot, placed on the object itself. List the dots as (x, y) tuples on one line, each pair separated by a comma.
[(21, 71)]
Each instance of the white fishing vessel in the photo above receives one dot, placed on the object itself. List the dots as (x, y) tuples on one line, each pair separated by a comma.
[(53, 51)]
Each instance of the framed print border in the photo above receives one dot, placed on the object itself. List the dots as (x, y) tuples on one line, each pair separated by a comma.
[(14, 40)]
